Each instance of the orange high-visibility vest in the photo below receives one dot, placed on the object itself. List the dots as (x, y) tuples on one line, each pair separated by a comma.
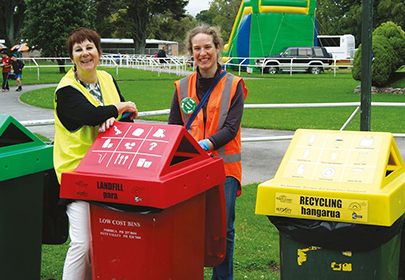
[(218, 106)]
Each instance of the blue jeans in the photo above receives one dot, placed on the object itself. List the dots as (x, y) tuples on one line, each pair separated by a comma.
[(224, 271)]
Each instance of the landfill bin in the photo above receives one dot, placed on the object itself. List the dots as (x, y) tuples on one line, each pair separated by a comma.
[(25, 162), (157, 204), (336, 200)]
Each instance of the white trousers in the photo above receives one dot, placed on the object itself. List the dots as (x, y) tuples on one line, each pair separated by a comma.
[(77, 263)]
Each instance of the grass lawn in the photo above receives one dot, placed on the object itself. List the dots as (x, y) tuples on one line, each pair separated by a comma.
[(256, 243), (151, 92)]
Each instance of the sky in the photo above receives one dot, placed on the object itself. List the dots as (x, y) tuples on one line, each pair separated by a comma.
[(196, 6)]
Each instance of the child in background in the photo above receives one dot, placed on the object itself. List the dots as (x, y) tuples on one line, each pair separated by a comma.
[(6, 69), (18, 65)]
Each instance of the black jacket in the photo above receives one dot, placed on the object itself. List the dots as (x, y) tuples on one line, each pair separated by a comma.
[(18, 65)]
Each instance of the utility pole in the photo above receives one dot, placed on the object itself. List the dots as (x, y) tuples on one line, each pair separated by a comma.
[(366, 54)]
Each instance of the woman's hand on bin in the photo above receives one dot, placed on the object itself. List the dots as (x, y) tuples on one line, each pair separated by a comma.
[(129, 107), (206, 144), (106, 125)]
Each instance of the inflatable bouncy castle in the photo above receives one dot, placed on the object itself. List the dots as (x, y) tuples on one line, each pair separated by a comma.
[(267, 27)]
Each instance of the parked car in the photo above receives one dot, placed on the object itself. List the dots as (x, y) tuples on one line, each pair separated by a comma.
[(298, 59)]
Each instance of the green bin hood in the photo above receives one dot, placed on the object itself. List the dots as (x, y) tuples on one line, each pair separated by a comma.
[(21, 152)]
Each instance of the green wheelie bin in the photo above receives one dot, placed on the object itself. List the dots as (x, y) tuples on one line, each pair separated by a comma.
[(26, 169)]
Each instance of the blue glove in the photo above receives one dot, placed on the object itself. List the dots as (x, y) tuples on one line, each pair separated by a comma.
[(204, 144)]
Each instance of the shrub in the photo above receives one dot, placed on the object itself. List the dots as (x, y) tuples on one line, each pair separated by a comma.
[(384, 62), (356, 70), (388, 50), (396, 38), (382, 66)]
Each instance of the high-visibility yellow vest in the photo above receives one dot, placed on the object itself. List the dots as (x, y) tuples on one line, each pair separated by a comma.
[(71, 146)]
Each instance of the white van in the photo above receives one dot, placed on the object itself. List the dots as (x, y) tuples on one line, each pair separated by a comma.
[(342, 47)]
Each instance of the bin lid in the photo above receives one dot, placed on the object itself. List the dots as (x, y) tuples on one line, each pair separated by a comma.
[(143, 164), (21, 152), (342, 176)]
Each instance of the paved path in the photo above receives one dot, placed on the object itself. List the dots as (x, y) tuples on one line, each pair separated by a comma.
[(11, 105), (260, 160)]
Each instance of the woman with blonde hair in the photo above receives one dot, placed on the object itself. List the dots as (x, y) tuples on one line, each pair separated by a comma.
[(216, 120)]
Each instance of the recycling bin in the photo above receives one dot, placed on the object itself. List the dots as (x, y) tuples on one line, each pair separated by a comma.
[(157, 203), (336, 200), (25, 161)]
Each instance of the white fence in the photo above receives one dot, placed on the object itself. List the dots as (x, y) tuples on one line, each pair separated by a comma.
[(264, 106), (177, 64), (242, 63), (173, 65)]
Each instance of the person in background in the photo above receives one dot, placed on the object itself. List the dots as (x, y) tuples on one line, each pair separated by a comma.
[(6, 69), (162, 55), (217, 125), (87, 102), (18, 65)]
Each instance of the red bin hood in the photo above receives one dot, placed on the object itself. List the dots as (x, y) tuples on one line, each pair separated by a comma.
[(152, 165)]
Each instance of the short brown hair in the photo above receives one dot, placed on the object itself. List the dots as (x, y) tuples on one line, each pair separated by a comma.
[(79, 35), (206, 29)]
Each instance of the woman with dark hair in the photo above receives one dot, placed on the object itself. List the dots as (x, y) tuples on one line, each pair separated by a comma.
[(87, 101), (215, 124)]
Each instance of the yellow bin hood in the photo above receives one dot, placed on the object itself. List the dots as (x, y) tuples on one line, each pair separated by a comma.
[(341, 176)]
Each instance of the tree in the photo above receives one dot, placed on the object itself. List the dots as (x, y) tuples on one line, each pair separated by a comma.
[(49, 22), (165, 27), (134, 16), (105, 21), (205, 16), (223, 14), (11, 21), (390, 10), (336, 17)]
